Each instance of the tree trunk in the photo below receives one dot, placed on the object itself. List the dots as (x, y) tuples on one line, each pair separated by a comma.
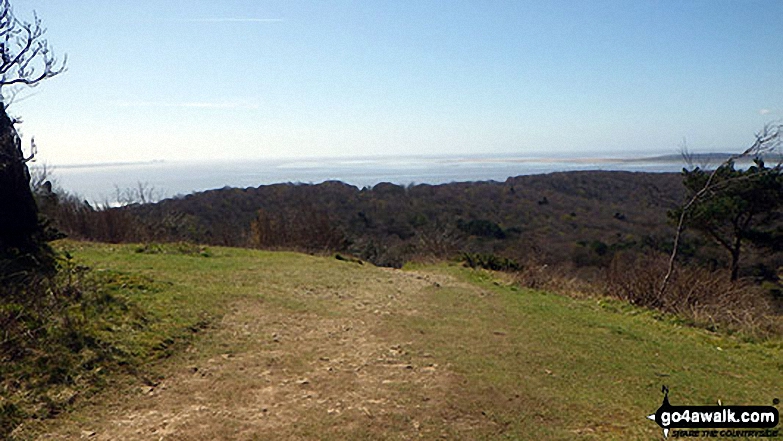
[(735, 256), (20, 229)]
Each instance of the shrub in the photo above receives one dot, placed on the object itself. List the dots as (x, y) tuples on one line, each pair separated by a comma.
[(490, 262), (304, 228), (481, 228), (705, 297)]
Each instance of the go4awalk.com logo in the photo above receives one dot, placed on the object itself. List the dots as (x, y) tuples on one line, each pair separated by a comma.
[(716, 421)]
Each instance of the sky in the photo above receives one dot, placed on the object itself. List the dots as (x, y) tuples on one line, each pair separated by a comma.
[(250, 79)]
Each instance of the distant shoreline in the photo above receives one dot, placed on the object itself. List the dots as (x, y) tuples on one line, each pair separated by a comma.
[(699, 158), (99, 164), (99, 181)]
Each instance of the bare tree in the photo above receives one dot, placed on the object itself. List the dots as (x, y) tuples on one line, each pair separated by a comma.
[(25, 60), (25, 56), (142, 193)]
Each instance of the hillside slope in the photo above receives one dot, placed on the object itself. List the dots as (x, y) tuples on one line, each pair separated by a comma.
[(310, 347)]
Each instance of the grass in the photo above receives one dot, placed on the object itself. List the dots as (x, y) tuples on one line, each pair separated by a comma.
[(433, 351), (586, 366)]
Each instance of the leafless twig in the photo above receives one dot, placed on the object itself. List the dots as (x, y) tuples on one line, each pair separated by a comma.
[(25, 56)]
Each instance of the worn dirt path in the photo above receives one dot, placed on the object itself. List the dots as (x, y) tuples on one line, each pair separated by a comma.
[(338, 366), (315, 348)]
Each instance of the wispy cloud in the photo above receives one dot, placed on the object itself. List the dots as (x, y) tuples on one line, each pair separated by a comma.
[(231, 20), (189, 104), (765, 112)]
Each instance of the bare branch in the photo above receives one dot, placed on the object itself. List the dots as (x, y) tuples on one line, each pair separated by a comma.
[(687, 154), (33, 151), (25, 56)]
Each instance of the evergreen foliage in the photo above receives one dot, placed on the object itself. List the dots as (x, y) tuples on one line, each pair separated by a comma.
[(741, 207)]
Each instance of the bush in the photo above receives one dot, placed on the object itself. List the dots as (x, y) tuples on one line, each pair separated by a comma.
[(490, 262), (481, 228), (305, 228), (705, 297)]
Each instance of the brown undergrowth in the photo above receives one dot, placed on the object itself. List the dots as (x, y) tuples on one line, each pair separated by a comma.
[(697, 296)]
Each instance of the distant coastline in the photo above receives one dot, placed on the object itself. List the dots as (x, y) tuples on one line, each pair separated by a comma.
[(99, 182), (598, 158), (711, 158), (101, 164)]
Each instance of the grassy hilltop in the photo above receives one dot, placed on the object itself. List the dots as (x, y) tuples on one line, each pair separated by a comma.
[(241, 344)]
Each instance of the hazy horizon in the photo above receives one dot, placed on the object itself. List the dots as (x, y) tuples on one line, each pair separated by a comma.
[(100, 183), (566, 157), (525, 156)]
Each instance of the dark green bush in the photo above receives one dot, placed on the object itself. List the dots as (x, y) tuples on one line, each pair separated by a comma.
[(490, 262), (481, 228)]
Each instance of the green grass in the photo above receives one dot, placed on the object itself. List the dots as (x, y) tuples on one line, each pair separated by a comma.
[(128, 306), (550, 366), (523, 364)]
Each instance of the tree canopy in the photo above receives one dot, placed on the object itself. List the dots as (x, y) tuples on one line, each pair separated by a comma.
[(739, 206)]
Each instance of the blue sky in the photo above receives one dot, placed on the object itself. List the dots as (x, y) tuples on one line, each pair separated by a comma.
[(256, 79)]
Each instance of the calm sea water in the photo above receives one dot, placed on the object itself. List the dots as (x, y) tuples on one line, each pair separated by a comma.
[(99, 183)]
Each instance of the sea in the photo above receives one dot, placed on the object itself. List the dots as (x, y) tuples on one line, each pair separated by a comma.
[(103, 183)]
